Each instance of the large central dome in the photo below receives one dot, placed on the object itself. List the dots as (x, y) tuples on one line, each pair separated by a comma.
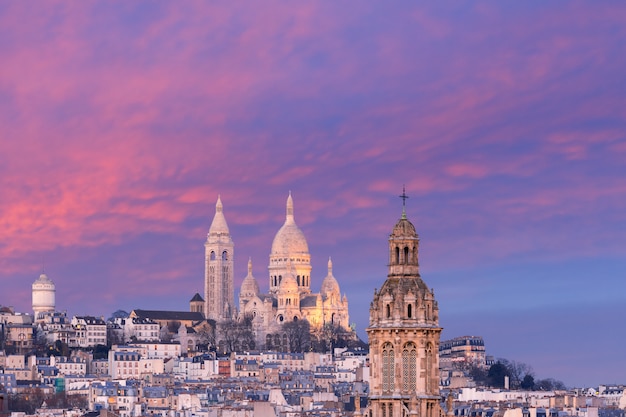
[(289, 239)]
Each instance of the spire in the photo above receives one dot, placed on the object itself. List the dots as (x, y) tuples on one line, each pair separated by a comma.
[(330, 266), (404, 197), (219, 224), (290, 217), (250, 266)]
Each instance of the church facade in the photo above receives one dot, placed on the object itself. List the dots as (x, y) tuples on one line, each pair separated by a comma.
[(404, 335), (289, 297)]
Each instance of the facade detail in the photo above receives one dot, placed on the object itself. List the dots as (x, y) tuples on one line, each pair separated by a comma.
[(404, 335), (219, 293), (290, 298), (43, 296)]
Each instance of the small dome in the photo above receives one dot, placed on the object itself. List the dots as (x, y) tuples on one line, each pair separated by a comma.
[(404, 228), (43, 282), (249, 286), (289, 239), (330, 284)]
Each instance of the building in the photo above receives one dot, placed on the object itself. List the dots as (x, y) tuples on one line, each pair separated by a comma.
[(43, 296), (463, 350), (90, 331), (290, 298), (404, 334), (219, 251)]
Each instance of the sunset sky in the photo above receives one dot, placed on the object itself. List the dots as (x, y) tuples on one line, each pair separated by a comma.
[(122, 122)]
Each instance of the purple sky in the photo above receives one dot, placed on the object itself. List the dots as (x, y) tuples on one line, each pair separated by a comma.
[(121, 122)]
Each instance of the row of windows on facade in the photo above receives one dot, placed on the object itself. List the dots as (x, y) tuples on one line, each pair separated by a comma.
[(409, 311), (405, 256), (276, 260), (301, 280), (224, 256)]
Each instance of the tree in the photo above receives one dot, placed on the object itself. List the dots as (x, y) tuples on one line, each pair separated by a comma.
[(478, 374), (236, 335), (299, 334), (516, 372), (100, 352), (549, 384), (528, 383), (206, 334), (118, 314), (496, 374)]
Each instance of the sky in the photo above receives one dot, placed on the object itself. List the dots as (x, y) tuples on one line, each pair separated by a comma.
[(122, 122)]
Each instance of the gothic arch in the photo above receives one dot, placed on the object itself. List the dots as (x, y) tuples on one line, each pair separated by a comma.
[(388, 366)]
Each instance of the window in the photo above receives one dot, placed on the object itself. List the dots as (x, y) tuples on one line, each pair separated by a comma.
[(388, 367), (409, 367), (409, 311)]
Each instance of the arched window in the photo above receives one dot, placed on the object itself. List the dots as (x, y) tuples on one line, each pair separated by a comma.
[(388, 367), (384, 407), (268, 342), (409, 367), (388, 308), (429, 365), (406, 255), (224, 256), (212, 256), (409, 311), (397, 255), (298, 280)]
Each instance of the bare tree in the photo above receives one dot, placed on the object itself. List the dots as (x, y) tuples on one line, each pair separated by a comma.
[(299, 334), (235, 335)]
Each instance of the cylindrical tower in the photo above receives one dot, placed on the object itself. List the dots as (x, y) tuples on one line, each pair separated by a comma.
[(44, 292)]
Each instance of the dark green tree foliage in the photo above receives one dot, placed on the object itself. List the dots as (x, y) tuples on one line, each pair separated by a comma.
[(478, 374), (119, 314), (496, 374), (528, 383), (100, 352)]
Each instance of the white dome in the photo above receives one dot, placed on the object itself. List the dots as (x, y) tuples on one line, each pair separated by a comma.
[(249, 286), (330, 284), (289, 240)]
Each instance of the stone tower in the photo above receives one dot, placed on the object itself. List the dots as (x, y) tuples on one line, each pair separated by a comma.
[(404, 334), (219, 295)]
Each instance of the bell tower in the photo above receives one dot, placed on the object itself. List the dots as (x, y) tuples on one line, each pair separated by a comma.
[(404, 334), (219, 250)]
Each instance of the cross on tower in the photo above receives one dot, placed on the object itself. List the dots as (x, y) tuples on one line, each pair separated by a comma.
[(404, 197)]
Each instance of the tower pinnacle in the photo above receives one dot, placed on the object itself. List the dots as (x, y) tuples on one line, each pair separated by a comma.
[(404, 197)]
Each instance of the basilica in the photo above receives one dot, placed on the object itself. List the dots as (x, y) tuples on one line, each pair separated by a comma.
[(289, 297)]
